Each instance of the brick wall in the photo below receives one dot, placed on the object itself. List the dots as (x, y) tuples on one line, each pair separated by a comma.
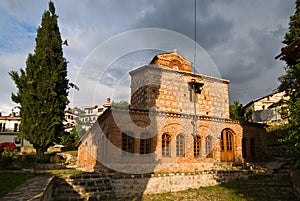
[(104, 142)]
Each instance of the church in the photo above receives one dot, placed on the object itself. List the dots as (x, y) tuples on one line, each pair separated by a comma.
[(177, 121)]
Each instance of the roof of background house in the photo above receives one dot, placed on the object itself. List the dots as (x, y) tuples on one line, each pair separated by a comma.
[(258, 99)]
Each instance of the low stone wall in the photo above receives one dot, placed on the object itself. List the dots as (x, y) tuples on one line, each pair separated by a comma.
[(35, 189), (295, 176), (137, 185)]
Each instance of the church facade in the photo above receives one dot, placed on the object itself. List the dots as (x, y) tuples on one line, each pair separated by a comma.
[(177, 121)]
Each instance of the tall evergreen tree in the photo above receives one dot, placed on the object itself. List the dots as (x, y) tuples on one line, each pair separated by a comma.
[(290, 82), (43, 87)]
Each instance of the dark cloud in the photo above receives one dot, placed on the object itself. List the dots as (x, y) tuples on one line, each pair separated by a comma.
[(242, 37), (179, 16)]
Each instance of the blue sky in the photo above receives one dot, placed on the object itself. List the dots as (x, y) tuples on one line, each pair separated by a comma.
[(240, 37)]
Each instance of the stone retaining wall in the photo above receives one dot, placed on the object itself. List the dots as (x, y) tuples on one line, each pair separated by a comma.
[(138, 185), (295, 176)]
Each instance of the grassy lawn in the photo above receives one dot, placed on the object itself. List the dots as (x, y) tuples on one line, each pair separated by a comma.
[(9, 181), (217, 193), (267, 189)]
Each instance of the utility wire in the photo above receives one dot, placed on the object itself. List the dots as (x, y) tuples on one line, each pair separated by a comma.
[(194, 121)]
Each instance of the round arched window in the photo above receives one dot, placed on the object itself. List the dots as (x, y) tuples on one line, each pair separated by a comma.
[(176, 65)]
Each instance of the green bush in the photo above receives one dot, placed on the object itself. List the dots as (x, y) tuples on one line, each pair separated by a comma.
[(59, 159), (9, 157)]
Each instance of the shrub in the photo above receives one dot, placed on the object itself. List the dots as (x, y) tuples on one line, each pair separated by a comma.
[(9, 157)]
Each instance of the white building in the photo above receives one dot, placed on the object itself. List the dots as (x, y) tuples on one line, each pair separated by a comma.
[(266, 109), (86, 116), (9, 130)]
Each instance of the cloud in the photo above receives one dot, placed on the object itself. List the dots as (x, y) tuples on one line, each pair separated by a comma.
[(9, 62), (16, 35), (242, 38)]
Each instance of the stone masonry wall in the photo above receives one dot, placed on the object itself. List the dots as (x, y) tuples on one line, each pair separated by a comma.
[(169, 91), (137, 185), (255, 142)]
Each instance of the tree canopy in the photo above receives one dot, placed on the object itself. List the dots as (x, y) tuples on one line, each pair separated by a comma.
[(43, 86), (239, 112), (120, 105), (290, 82)]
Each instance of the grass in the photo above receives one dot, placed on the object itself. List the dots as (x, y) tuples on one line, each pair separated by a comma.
[(267, 189), (217, 193), (62, 172), (9, 181), (72, 153)]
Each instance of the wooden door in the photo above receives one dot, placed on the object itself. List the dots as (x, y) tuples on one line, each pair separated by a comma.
[(227, 146)]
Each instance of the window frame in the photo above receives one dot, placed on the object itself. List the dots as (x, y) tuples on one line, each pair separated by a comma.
[(208, 146), (166, 145), (127, 144), (145, 144), (197, 146), (180, 145)]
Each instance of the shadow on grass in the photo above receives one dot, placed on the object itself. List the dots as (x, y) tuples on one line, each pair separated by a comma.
[(267, 188), (263, 187)]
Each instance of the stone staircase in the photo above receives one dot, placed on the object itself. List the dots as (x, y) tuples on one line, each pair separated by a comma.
[(86, 186)]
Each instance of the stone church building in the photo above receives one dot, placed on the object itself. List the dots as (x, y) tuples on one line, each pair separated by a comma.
[(177, 121)]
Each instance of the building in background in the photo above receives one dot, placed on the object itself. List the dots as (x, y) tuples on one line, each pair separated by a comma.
[(84, 117), (266, 109), (9, 130), (72, 115)]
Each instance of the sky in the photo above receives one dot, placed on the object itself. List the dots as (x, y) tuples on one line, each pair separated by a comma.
[(236, 40)]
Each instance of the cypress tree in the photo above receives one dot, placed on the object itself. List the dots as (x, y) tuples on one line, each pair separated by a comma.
[(290, 83), (43, 87)]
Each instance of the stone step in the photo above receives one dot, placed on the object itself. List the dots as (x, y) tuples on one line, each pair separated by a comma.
[(101, 196), (273, 175), (81, 189), (281, 171), (88, 182), (83, 182), (68, 191), (82, 186), (68, 198), (84, 176)]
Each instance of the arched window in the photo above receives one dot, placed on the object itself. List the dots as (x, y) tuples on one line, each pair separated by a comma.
[(208, 146), (145, 144), (197, 146), (165, 148), (180, 145), (127, 143)]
